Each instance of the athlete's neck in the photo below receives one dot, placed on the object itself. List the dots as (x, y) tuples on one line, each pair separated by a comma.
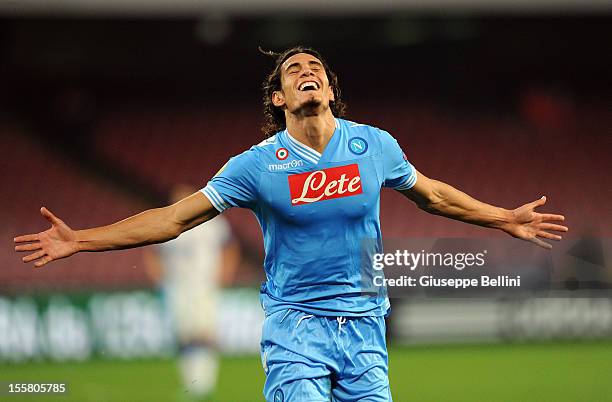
[(314, 131)]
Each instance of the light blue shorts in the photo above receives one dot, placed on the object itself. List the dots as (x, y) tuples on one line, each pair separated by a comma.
[(320, 359)]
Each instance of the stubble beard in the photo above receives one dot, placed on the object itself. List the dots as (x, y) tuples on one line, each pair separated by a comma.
[(312, 107)]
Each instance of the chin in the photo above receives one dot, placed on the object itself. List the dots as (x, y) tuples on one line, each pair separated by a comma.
[(313, 105)]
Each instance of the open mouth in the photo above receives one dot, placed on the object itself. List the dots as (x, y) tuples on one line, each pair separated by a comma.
[(308, 86)]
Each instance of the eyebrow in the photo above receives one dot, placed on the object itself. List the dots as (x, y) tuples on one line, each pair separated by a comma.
[(311, 62)]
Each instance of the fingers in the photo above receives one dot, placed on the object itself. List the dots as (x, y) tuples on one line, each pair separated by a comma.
[(547, 217), (539, 202), (541, 243), (552, 217), (54, 220), (28, 247), (547, 235), (34, 256), (43, 261), (26, 238), (552, 226)]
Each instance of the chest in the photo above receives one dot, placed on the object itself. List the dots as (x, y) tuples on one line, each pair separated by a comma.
[(333, 191)]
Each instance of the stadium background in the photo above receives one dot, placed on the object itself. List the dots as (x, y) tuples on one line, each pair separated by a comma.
[(104, 107)]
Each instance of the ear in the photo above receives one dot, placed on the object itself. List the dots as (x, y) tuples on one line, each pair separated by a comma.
[(332, 97), (278, 99)]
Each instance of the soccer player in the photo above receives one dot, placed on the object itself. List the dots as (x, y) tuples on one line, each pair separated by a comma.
[(190, 271), (314, 186)]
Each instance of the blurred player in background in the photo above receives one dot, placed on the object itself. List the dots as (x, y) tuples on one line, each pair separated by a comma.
[(190, 272), (314, 186)]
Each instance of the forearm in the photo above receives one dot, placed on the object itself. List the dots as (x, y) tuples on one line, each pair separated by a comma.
[(149, 227), (447, 201), (523, 222)]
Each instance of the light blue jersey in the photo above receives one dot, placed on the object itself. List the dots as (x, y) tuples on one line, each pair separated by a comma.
[(315, 210)]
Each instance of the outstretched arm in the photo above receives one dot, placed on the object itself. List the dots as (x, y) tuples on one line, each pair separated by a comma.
[(152, 226), (523, 222)]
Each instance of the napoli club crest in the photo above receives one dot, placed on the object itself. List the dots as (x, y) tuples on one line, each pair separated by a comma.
[(358, 146)]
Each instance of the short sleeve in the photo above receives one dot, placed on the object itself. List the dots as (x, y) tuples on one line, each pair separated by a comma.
[(235, 185), (399, 174)]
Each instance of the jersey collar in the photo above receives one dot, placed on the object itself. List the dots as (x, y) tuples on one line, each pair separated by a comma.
[(303, 150)]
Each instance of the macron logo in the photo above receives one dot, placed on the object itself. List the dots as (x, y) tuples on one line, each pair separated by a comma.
[(338, 182), (273, 167)]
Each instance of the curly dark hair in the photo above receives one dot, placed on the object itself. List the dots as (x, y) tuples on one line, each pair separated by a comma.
[(274, 117)]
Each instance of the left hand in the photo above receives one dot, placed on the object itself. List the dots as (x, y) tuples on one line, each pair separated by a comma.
[(526, 224)]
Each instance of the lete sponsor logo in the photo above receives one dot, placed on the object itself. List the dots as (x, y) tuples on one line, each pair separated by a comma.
[(337, 182)]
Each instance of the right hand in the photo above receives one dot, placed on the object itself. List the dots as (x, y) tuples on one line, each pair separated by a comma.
[(57, 242)]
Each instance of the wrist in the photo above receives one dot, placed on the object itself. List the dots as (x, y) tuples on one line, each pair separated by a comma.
[(507, 219), (78, 245)]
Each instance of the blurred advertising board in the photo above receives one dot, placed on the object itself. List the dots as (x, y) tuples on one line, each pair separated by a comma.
[(555, 317), (123, 325)]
